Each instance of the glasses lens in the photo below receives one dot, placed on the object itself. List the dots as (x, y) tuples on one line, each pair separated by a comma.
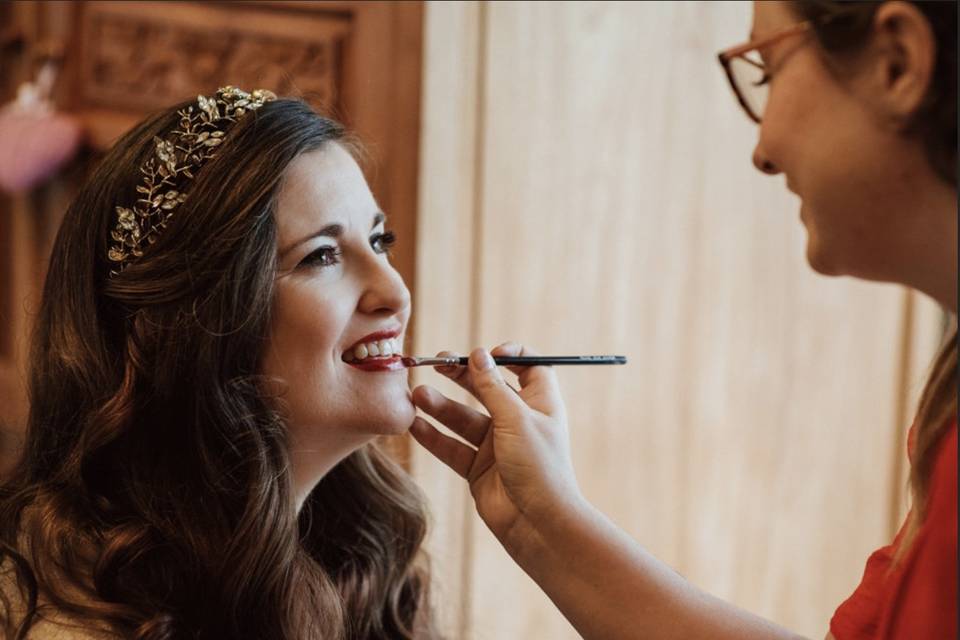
[(750, 81)]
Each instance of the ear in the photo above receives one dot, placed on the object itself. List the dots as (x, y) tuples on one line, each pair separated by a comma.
[(907, 49)]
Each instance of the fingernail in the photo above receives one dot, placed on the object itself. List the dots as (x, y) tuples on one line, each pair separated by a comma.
[(482, 359)]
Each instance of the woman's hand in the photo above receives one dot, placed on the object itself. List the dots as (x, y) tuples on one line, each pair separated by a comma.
[(523, 483), (520, 472)]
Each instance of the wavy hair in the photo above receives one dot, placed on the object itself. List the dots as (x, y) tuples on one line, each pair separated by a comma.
[(153, 496), (935, 125)]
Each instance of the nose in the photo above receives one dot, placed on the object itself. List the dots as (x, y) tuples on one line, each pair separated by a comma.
[(763, 163), (384, 290)]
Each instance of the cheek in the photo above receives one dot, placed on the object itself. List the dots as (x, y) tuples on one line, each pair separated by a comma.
[(305, 332), (322, 394), (802, 116), (790, 128), (813, 131)]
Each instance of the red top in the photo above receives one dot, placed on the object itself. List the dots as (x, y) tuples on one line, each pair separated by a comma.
[(918, 598)]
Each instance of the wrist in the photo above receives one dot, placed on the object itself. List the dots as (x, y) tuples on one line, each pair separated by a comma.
[(550, 531)]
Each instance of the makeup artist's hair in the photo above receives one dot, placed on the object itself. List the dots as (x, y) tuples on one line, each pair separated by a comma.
[(154, 492), (841, 39)]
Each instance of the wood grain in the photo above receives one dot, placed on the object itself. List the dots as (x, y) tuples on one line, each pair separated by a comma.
[(444, 300), (751, 442)]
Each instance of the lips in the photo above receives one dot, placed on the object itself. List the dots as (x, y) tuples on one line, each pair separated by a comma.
[(378, 351), (393, 363)]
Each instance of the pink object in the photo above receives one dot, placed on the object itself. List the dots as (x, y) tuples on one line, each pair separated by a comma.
[(35, 140), (33, 146)]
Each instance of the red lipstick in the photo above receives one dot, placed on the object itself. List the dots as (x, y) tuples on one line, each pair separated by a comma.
[(393, 362)]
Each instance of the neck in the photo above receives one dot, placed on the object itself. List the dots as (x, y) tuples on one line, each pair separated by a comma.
[(930, 262), (311, 461)]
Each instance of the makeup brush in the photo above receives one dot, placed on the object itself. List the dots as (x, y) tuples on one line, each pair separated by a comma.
[(520, 361)]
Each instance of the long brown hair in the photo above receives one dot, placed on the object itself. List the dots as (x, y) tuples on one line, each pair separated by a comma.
[(154, 496), (842, 37)]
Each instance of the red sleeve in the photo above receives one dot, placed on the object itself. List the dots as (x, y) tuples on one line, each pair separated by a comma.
[(925, 603), (917, 599)]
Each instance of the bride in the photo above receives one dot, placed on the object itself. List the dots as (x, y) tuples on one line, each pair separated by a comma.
[(213, 358)]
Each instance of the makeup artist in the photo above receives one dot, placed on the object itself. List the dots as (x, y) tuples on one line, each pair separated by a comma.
[(856, 104)]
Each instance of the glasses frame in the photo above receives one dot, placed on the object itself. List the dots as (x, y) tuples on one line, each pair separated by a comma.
[(740, 51)]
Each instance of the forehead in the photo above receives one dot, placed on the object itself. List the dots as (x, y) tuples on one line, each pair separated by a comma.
[(321, 187)]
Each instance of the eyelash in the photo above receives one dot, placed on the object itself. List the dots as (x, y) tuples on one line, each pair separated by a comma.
[(329, 256), (762, 81)]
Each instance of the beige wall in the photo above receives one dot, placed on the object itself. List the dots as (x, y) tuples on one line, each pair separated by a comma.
[(586, 187)]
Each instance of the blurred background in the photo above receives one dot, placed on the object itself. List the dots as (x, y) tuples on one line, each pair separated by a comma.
[(572, 175)]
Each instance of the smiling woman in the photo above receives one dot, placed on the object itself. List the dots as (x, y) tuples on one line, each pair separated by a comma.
[(200, 459), (337, 298)]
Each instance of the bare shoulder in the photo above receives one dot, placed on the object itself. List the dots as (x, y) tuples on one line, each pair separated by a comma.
[(50, 624)]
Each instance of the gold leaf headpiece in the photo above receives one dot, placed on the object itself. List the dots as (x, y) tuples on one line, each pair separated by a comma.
[(174, 162)]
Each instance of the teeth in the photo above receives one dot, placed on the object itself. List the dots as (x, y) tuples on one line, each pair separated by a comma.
[(378, 348)]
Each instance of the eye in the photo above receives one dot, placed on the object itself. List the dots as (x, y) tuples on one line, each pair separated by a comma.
[(381, 242), (321, 257), (762, 81)]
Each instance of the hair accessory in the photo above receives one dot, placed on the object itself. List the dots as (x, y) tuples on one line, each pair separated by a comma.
[(175, 160)]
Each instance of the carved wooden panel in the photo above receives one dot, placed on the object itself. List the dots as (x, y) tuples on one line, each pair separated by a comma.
[(142, 55)]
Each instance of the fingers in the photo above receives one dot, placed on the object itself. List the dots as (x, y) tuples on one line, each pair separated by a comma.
[(516, 349), (540, 385), (537, 380), (490, 388), (450, 451), (458, 374), (459, 418)]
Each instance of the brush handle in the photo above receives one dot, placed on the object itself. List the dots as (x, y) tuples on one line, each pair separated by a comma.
[(528, 361), (522, 361)]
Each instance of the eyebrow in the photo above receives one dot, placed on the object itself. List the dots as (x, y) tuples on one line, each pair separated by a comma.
[(329, 231)]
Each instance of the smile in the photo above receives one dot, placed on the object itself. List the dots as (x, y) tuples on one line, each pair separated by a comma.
[(377, 352)]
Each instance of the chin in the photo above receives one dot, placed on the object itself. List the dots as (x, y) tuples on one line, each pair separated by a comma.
[(818, 257), (391, 416), (399, 421), (820, 265)]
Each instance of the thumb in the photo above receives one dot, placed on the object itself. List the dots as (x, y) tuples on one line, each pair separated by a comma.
[(490, 388)]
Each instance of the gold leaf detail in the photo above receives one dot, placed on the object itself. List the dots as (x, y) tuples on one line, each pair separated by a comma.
[(209, 107), (202, 127)]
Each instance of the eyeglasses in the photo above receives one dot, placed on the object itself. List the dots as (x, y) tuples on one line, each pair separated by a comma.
[(747, 73)]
